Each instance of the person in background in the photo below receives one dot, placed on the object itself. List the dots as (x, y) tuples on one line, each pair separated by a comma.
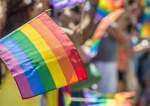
[(106, 60), (82, 23), (134, 11)]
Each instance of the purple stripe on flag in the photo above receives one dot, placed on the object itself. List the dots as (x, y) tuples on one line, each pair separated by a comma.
[(13, 66)]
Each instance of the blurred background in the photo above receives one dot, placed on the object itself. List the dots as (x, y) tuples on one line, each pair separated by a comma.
[(113, 39)]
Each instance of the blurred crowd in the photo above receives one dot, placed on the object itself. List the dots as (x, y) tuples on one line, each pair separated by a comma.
[(122, 62)]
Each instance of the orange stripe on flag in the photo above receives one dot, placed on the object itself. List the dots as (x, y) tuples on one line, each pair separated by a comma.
[(46, 53), (58, 50)]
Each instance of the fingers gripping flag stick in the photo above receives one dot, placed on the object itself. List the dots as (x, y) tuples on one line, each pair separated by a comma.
[(41, 57)]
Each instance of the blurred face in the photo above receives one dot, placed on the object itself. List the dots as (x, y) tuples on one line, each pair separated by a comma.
[(134, 11)]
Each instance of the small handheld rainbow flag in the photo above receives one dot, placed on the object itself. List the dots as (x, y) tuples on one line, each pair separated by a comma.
[(105, 7), (118, 99), (92, 45), (145, 21), (145, 31), (41, 57), (145, 2)]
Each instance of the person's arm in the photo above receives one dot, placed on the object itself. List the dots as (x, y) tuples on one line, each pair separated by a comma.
[(38, 7), (115, 31), (87, 25), (118, 29), (142, 47), (88, 16)]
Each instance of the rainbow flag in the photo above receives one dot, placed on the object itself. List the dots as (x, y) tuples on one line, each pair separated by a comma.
[(118, 99), (145, 31), (145, 2), (146, 16), (91, 46), (61, 4), (145, 24), (41, 57), (105, 7)]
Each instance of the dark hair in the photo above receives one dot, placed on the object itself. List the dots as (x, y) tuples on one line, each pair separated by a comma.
[(130, 2), (76, 9), (15, 6)]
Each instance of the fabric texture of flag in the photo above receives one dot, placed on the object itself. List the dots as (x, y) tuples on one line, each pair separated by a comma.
[(61, 4), (10, 95), (41, 57), (105, 7)]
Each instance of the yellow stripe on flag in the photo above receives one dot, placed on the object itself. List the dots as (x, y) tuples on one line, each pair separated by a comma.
[(46, 53)]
